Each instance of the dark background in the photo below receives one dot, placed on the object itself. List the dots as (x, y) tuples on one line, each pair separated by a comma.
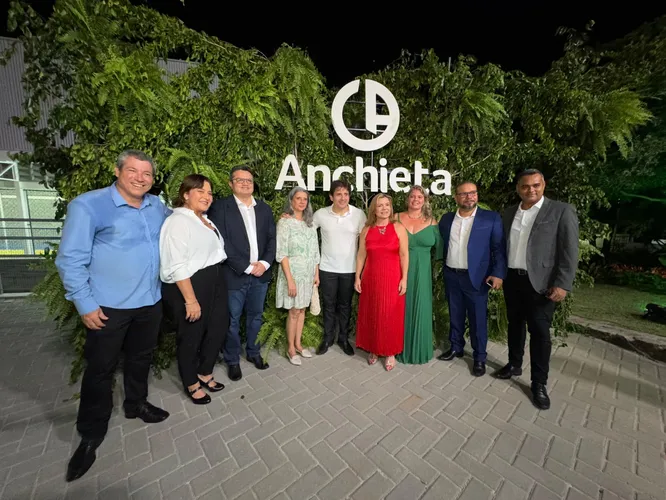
[(348, 39)]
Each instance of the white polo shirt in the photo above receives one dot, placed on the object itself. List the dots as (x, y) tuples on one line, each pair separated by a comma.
[(339, 238)]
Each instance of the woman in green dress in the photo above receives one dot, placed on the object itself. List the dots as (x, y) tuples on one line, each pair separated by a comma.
[(424, 237), (298, 254)]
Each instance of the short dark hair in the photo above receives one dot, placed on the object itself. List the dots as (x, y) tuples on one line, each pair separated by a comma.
[(463, 183), (134, 153), (237, 168), (190, 182), (335, 185), (529, 171)]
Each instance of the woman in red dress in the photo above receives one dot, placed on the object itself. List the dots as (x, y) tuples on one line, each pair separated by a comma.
[(381, 279)]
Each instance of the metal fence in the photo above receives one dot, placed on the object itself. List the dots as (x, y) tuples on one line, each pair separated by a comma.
[(23, 242)]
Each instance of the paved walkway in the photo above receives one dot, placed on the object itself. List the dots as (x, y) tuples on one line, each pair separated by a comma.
[(336, 428)]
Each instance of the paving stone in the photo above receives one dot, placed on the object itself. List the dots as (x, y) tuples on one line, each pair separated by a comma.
[(340, 487), (183, 475), (534, 449), (572, 477), (417, 466), (409, 487), (308, 484), (373, 489), (422, 442), (249, 476), (270, 453), (298, 455), (327, 458), (443, 489), (510, 491), (277, 480), (357, 461)]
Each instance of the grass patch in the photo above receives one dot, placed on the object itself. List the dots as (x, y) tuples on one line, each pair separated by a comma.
[(618, 305)]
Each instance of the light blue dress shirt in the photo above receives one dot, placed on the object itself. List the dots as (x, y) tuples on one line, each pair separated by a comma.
[(109, 252)]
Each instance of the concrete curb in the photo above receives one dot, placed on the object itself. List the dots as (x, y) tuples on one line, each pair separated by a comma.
[(652, 346)]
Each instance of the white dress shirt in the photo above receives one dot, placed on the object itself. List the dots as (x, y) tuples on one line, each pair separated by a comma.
[(250, 221), (520, 234), (187, 246), (461, 227), (339, 238)]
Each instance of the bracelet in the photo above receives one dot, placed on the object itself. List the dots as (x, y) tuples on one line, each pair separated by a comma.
[(190, 303)]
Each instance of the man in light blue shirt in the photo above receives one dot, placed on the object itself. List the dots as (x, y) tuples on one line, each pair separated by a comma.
[(108, 261)]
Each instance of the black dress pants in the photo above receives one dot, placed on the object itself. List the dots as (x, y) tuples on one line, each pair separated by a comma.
[(526, 307), (200, 341), (337, 290), (133, 331)]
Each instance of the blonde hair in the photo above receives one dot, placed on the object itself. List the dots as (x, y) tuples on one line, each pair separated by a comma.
[(426, 209), (372, 216)]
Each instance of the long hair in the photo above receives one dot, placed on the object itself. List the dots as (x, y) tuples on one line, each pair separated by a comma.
[(190, 182), (372, 216), (426, 209), (307, 213)]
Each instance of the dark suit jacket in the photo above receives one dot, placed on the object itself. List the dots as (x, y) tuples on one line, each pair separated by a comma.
[(226, 215), (552, 247), (486, 249)]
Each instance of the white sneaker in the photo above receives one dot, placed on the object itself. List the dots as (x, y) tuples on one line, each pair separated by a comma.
[(295, 360)]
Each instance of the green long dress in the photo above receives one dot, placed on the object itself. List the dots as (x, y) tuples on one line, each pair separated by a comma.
[(418, 313)]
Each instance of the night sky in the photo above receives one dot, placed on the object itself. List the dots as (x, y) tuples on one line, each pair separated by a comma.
[(344, 44)]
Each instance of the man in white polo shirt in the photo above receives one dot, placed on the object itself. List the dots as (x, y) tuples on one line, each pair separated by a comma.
[(340, 225)]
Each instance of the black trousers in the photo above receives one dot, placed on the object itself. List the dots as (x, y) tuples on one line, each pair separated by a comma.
[(133, 331), (337, 290), (525, 306), (199, 341)]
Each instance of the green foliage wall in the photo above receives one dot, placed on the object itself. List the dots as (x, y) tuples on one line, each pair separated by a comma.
[(103, 62)]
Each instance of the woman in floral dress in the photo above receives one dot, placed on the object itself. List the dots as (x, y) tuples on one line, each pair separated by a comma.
[(298, 255)]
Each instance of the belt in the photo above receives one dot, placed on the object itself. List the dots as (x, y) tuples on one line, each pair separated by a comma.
[(457, 270), (520, 272)]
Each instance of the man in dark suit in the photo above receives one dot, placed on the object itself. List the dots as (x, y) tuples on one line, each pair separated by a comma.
[(475, 257), (542, 237), (248, 230)]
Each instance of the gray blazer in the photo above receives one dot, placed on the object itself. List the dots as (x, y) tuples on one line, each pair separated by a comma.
[(552, 247)]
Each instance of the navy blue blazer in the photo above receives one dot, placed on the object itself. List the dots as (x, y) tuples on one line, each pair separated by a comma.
[(486, 249), (226, 215)]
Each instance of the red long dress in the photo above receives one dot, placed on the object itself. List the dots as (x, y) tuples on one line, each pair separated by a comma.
[(380, 326)]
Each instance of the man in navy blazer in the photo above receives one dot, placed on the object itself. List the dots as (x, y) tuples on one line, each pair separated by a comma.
[(248, 230), (475, 257)]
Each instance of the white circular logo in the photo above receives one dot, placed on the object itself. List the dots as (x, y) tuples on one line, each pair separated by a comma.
[(372, 119)]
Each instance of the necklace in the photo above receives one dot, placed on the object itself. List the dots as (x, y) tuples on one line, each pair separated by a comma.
[(419, 217), (382, 229)]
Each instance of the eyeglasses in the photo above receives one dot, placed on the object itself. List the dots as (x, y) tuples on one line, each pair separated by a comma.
[(243, 181), (468, 194)]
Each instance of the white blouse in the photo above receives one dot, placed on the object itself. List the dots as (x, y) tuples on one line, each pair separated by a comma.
[(187, 245)]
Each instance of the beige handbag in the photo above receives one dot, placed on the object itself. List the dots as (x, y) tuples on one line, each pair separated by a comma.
[(315, 306)]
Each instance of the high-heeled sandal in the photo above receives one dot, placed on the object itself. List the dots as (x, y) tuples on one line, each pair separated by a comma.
[(372, 359), (390, 366), (198, 401), (215, 388)]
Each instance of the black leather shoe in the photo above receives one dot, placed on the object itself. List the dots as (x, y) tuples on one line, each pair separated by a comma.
[(148, 413), (323, 347), (258, 362), (82, 459), (540, 396), (508, 371), (346, 348), (449, 355), (235, 373), (198, 401), (212, 385), (479, 369)]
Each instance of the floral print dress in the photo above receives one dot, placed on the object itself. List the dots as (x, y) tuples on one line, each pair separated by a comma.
[(299, 243)]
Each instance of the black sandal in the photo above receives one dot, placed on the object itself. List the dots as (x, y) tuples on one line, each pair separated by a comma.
[(215, 388), (198, 401)]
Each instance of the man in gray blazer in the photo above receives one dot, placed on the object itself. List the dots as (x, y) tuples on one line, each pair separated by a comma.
[(542, 244)]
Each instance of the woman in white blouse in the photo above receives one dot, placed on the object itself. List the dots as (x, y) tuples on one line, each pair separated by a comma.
[(193, 289)]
